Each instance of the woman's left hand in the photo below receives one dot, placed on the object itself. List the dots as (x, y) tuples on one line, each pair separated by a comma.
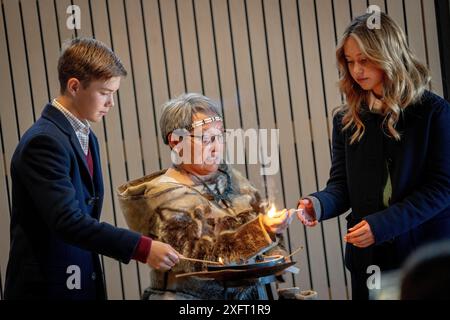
[(360, 235)]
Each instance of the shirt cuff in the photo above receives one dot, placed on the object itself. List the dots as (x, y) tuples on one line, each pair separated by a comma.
[(142, 249)]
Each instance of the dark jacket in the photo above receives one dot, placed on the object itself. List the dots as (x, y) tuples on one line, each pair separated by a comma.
[(56, 206), (419, 210)]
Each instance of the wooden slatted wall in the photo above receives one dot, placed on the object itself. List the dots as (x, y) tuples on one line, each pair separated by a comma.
[(270, 63)]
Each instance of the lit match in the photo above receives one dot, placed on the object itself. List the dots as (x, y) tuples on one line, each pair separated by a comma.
[(273, 213)]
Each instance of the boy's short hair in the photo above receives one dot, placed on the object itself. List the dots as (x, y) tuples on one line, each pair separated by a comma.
[(87, 59)]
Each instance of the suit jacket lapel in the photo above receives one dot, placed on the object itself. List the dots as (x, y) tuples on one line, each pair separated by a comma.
[(95, 152), (56, 116)]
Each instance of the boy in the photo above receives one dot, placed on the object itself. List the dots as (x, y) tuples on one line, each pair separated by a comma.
[(57, 189)]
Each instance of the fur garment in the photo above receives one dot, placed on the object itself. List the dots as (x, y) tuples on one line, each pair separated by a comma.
[(194, 224)]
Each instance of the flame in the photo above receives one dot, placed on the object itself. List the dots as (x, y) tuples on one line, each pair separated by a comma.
[(272, 212), (220, 260)]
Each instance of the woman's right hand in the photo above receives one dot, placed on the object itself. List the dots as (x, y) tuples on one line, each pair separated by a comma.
[(306, 213)]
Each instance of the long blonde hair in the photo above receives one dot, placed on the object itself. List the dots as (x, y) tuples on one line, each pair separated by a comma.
[(405, 77)]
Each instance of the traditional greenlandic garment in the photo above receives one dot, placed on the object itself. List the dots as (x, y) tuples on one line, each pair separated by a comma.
[(200, 226)]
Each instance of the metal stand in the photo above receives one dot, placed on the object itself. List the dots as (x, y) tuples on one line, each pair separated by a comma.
[(260, 284)]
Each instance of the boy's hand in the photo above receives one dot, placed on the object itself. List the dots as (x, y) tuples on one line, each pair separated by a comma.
[(162, 256)]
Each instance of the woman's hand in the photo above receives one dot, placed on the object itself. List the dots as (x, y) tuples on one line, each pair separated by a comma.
[(306, 213), (360, 235), (279, 222)]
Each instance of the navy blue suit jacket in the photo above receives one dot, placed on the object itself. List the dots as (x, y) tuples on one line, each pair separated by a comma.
[(56, 206), (419, 210)]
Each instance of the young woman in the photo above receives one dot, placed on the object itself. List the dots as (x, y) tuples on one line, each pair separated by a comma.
[(391, 154)]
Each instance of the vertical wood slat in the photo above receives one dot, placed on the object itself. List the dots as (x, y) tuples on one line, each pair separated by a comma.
[(85, 18), (18, 63), (225, 63), (158, 67), (342, 16), (380, 3), (432, 49), (4, 220), (395, 10), (358, 7), (7, 132), (172, 43), (207, 49), (415, 27), (185, 14), (247, 54), (4, 215), (62, 16), (38, 79), (51, 42), (244, 83), (8, 111)]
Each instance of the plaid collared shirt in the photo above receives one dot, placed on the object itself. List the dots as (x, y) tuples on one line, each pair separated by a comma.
[(81, 128)]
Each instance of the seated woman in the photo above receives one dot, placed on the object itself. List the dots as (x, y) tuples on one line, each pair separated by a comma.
[(200, 206)]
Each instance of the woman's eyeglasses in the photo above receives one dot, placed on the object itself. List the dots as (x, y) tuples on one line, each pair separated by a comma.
[(209, 139)]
